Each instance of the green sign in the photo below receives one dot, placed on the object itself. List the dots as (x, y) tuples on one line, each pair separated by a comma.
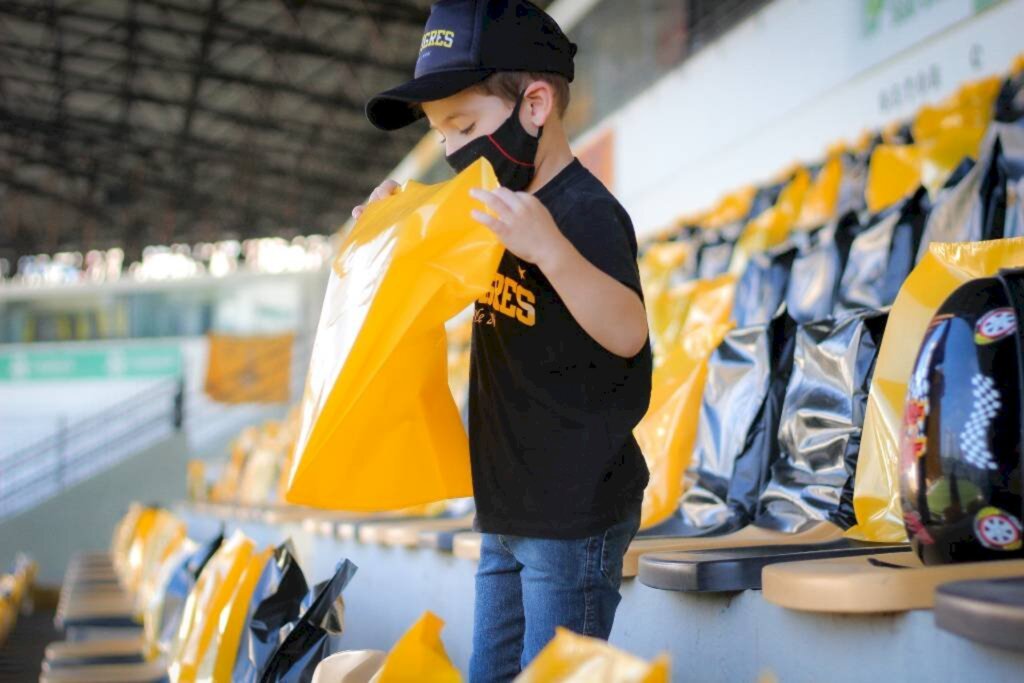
[(877, 14), (122, 362)]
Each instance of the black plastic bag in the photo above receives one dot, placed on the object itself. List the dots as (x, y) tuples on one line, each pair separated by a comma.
[(311, 639), (820, 427), (853, 182), (882, 255), (974, 210), (818, 268), (715, 251), (273, 611), (762, 288), (736, 444), (1010, 101)]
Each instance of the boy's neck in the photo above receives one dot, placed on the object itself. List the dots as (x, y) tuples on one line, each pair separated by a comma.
[(553, 155)]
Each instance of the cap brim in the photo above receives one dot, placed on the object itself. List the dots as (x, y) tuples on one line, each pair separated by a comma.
[(396, 108)]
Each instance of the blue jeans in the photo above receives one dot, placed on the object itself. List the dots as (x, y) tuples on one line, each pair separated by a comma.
[(525, 587)]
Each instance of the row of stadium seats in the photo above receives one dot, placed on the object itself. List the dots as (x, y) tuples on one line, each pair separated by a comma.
[(15, 587), (770, 315), (161, 606)]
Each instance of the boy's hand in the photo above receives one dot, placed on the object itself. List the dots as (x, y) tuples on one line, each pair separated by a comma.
[(523, 225), (385, 189)]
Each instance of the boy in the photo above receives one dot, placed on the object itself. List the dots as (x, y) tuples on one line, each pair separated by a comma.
[(561, 362)]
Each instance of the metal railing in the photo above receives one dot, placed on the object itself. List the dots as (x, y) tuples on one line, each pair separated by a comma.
[(80, 449)]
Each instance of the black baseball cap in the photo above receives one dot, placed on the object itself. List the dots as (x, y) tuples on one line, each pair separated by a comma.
[(464, 42)]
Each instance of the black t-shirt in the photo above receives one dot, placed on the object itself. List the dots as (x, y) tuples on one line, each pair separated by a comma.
[(551, 412)]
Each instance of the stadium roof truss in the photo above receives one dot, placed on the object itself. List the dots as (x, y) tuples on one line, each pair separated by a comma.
[(134, 122)]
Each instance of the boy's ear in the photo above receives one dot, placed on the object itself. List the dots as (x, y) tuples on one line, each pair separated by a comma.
[(538, 103)]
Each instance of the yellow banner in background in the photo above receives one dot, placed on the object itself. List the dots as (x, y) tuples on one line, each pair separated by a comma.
[(254, 369)]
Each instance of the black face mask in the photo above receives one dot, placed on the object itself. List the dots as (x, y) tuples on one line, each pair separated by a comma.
[(510, 149)]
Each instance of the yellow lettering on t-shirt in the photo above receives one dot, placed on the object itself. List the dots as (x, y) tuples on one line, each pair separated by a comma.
[(526, 313)]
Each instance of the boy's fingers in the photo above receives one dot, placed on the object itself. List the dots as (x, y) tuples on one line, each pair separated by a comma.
[(510, 198), (487, 219), (493, 201)]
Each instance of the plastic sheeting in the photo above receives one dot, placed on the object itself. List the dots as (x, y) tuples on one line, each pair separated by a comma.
[(736, 435), (820, 426), (943, 269), (218, 663), (411, 262), (212, 593), (419, 655), (296, 658), (162, 620), (882, 255), (976, 209), (572, 658), (657, 267), (772, 227), (818, 269), (715, 251), (272, 612), (762, 289), (667, 431)]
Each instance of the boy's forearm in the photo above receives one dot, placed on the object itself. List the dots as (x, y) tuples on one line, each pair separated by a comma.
[(610, 312)]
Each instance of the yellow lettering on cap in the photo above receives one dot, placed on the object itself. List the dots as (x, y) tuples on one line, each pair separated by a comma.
[(437, 38)]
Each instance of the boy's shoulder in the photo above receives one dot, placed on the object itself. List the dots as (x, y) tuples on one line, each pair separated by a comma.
[(582, 197)]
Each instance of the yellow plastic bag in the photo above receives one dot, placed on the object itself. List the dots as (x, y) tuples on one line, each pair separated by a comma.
[(153, 612), (220, 656), (419, 655), (572, 658), (773, 225), (819, 205), (731, 208), (166, 537), (124, 535), (656, 268), (133, 561), (380, 429), (893, 173), (200, 620), (666, 433), (944, 268), (668, 320)]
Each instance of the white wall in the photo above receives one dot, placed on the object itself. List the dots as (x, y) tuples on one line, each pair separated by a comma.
[(787, 82)]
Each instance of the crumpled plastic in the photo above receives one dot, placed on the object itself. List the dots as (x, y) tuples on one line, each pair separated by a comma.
[(667, 431), (657, 266), (162, 618), (419, 655), (411, 262), (819, 205), (272, 611), (818, 268), (821, 423), (772, 226), (212, 593), (737, 440), (980, 207), (944, 267), (572, 658), (762, 289), (219, 660), (311, 639)]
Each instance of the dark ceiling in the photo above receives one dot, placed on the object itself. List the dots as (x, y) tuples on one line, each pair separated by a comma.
[(135, 122)]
